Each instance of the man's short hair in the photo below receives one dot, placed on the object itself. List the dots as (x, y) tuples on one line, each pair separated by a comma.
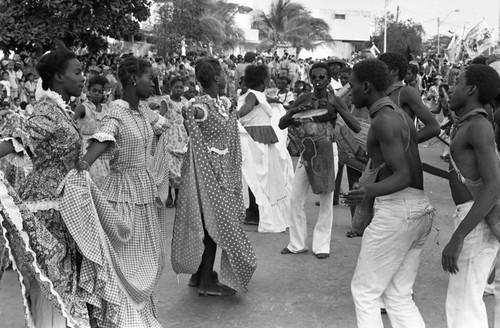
[(486, 79), (321, 65), (481, 60), (374, 71), (395, 61), (249, 57), (346, 69)]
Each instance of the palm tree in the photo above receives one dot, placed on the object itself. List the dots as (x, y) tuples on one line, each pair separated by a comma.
[(199, 23), (290, 24), (218, 25)]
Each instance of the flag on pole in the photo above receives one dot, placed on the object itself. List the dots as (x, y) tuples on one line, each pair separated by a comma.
[(374, 50), (454, 49), (478, 40)]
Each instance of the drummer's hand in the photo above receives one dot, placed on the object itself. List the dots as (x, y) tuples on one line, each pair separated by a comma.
[(355, 196), (337, 102), (295, 110)]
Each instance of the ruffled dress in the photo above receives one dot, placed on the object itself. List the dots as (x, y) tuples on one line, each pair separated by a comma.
[(210, 192), (89, 125), (42, 250), (266, 169), (130, 189)]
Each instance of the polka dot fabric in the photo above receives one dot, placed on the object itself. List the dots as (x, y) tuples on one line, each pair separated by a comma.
[(211, 186)]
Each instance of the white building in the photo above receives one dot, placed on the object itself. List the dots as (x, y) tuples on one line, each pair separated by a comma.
[(346, 27), (244, 19)]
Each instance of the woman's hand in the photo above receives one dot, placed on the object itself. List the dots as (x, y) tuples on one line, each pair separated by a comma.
[(82, 166)]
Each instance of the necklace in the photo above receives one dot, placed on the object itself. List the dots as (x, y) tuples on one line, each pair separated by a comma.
[(144, 136)]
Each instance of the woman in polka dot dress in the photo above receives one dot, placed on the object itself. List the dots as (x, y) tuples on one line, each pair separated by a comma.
[(210, 209)]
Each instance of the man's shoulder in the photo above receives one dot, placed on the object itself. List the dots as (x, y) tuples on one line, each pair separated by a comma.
[(475, 129), (387, 118)]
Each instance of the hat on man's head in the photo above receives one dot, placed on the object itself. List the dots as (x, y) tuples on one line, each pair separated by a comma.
[(336, 60), (249, 57)]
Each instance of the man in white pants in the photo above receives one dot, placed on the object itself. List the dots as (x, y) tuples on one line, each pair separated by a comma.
[(321, 98), (475, 188), (393, 241)]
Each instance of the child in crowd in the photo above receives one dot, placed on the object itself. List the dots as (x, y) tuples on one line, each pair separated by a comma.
[(31, 106), (22, 89), (5, 83), (30, 85)]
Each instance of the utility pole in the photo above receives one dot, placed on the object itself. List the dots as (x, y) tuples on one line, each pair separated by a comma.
[(397, 14), (439, 21), (439, 48), (385, 25)]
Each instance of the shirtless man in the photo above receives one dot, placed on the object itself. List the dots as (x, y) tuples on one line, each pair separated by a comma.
[(475, 188), (392, 243), (407, 97)]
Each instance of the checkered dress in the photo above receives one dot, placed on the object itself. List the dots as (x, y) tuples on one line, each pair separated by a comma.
[(134, 239)]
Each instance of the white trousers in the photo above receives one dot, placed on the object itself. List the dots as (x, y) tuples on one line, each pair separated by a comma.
[(389, 259), (497, 291), (298, 223), (464, 300)]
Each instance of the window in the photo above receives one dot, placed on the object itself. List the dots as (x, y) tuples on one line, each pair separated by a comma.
[(340, 16)]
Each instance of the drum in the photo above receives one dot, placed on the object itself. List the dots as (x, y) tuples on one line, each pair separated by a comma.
[(317, 156), (309, 128)]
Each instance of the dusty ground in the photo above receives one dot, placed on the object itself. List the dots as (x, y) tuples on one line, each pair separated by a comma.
[(293, 290)]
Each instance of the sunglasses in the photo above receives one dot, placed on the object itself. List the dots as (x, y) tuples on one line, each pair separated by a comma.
[(318, 77)]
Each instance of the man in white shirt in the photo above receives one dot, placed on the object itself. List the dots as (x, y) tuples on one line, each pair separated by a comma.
[(336, 65)]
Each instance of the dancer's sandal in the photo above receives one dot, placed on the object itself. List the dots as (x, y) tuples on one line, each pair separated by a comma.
[(322, 256), (170, 203), (216, 290), (286, 251), (352, 234), (194, 281)]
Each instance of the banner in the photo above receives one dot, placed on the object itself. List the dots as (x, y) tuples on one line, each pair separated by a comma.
[(454, 49), (478, 40)]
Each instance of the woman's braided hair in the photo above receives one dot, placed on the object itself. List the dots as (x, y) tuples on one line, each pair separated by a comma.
[(131, 65)]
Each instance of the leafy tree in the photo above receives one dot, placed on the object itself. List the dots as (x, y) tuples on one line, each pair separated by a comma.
[(430, 46), (401, 35), (197, 22), (32, 25), (290, 24)]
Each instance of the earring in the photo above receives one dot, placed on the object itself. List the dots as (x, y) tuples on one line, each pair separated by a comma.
[(134, 84)]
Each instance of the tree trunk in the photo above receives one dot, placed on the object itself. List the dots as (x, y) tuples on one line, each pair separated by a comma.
[(297, 51)]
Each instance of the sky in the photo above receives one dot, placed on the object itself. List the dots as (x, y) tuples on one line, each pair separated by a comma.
[(425, 12)]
